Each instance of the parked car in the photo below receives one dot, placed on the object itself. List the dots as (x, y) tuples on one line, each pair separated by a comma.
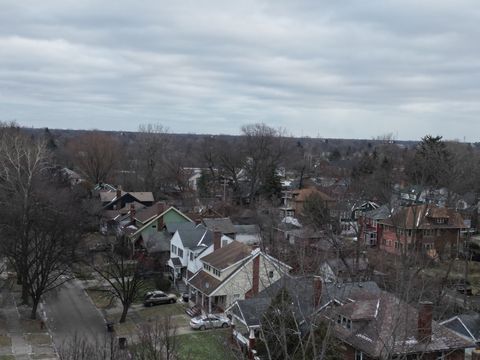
[(158, 297), (99, 247), (209, 321)]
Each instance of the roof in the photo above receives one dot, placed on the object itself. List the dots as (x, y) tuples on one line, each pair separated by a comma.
[(251, 310), (224, 225), (193, 237), (146, 213), (172, 227), (176, 262), (467, 325), (108, 196), (228, 255), (158, 241), (381, 213), (424, 217), (303, 194), (347, 265), (204, 282), (384, 325), (247, 229), (171, 208)]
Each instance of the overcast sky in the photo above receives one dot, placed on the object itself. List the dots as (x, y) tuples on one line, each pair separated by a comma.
[(337, 68)]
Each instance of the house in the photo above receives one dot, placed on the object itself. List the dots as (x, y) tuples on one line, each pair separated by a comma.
[(154, 235), (370, 228), (114, 200), (187, 244), (293, 200), (310, 295), (368, 322), (381, 326), (425, 228), (231, 272), (223, 225), (345, 269)]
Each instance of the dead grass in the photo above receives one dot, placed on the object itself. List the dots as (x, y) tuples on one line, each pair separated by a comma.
[(101, 299), (5, 341), (38, 339)]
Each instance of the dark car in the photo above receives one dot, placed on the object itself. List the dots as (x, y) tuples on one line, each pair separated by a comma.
[(158, 297)]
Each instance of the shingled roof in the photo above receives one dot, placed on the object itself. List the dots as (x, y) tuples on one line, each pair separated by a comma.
[(384, 326), (424, 217), (228, 255), (224, 225)]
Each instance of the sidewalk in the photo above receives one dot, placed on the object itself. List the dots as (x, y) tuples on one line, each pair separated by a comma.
[(22, 338)]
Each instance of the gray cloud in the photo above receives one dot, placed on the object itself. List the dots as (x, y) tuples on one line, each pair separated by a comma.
[(327, 68)]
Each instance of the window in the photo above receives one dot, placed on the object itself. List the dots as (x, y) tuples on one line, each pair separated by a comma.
[(270, 274), (191, 255), (174, 249), (397, 245), (180, 253), (409, 232), (359, 355), (429, 232), (207, 267), (216, 272), (440, 220), (440, 356)]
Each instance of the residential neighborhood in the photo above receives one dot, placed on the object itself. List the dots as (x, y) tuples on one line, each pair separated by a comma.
[(239, 180)]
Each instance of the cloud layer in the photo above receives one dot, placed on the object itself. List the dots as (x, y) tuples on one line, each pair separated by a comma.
[(317, 68)]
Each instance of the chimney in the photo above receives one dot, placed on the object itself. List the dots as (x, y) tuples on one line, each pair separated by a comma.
[(132, 211), (251, 345), (119, 192), (160, 207), (256, 275), (425, 314), (217, 240), (317, 290)]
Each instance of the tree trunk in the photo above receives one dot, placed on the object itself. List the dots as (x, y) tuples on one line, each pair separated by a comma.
[(33, 314), (25, 296), (124, 313)]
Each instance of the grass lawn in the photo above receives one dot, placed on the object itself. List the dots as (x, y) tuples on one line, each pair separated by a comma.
[(125, 329), (101, 299), (7, 357), (160, 310), (5, 341), (38, 339), (212, 345)]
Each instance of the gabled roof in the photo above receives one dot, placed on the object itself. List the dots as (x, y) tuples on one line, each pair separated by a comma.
[(204, 282), (172, 227), (381, 213), (228, 255), (303, 194), (109, 196), (147, 213), (224, 225), (171, 208), (468, 325), (423, 217), (194, 237), (387, 326)]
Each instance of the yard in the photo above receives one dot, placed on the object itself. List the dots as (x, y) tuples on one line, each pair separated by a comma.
[(212, 345)]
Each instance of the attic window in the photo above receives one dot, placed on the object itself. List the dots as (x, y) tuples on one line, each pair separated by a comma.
[(441, 220), (345, 322)]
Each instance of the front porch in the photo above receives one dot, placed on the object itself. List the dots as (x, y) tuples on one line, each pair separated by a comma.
[(208, 304)]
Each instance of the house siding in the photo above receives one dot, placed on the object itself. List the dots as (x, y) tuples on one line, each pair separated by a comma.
[(241, 283)]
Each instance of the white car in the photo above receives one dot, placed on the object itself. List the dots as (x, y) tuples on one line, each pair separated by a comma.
[(209, 321)]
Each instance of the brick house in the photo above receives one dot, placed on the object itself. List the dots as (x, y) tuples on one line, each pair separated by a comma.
[(425, 228), (370, 228)]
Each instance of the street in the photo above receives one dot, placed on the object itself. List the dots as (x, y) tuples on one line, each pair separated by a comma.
[(71, 313)]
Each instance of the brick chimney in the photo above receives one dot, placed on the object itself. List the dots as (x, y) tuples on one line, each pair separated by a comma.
[(217, 240), (160, 207), (251, 345), (425, 315), (132, 211), (317, 290)]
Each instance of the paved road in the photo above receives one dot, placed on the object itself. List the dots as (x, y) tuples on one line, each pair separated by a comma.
[(70, 312)]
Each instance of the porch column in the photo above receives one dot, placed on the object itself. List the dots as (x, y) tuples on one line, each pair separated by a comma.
[(209, 305)]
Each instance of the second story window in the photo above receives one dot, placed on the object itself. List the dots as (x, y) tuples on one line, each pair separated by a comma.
[(180, 253), (174, 249), (207, 267)]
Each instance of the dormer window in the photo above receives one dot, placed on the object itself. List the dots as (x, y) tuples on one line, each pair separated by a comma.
[(207, 267), (344, 321), (441, 220)]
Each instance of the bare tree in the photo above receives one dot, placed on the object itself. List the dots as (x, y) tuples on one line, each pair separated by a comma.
[(122, 278), (95, 155)]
